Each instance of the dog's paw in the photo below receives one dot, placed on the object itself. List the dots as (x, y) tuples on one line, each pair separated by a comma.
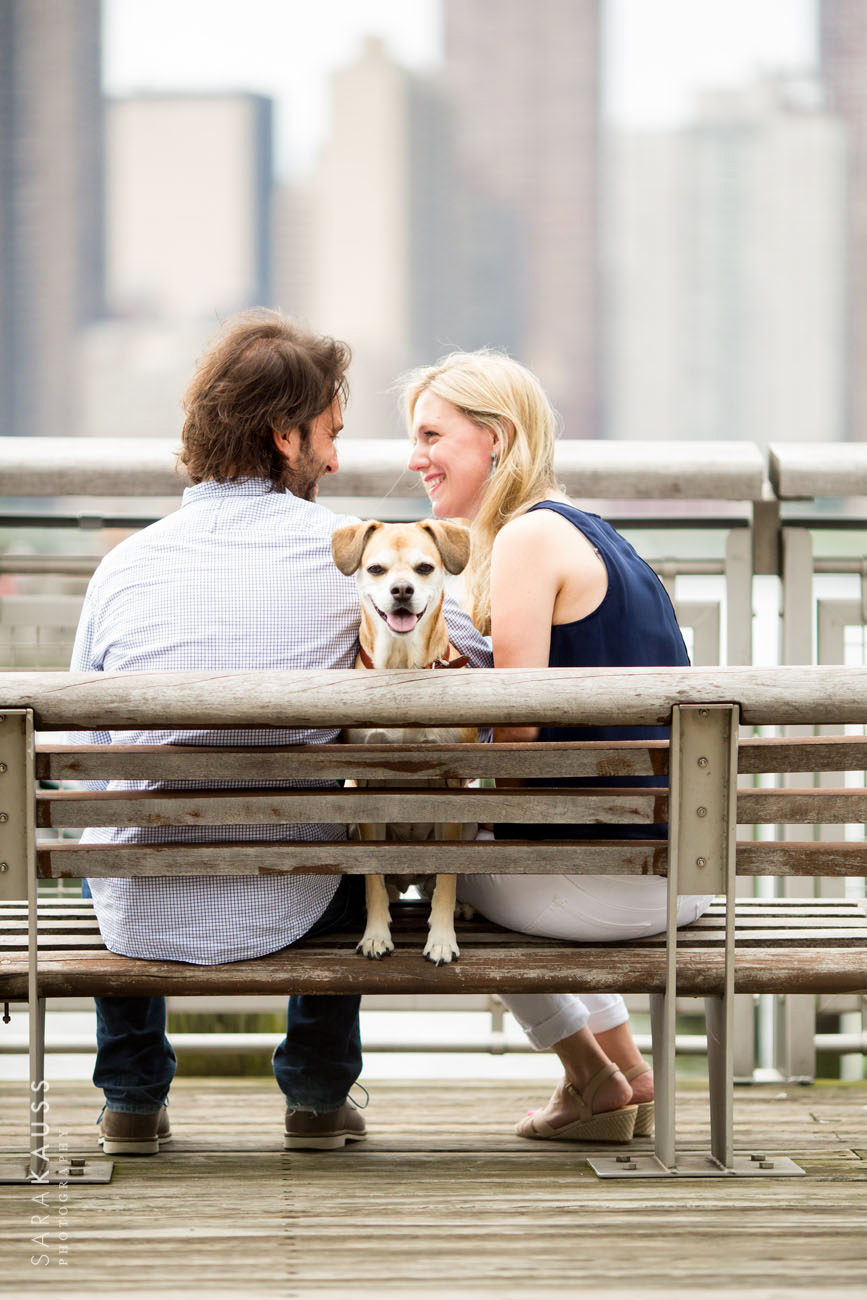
[(464, 911), (375, 946), (442, 949)]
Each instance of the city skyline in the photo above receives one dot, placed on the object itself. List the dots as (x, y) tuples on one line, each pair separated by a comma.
[(657, 56)]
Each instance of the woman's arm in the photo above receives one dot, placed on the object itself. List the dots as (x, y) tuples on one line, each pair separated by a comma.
[(524, 586), (542, 570)]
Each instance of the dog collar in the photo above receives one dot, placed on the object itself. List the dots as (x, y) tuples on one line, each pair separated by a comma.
[(445, 662)]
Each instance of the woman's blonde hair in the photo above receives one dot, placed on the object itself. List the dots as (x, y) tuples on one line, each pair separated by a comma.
[(498, 394)]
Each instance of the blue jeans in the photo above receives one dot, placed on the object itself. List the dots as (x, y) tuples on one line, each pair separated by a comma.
[(315, 1064)]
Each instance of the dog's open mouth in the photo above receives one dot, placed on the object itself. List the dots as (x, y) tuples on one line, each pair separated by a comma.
[(399, 620)]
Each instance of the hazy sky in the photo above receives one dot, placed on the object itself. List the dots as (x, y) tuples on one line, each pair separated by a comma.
[(658, 52)]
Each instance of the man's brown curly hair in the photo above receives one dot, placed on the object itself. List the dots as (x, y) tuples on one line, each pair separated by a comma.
[(264, 372)]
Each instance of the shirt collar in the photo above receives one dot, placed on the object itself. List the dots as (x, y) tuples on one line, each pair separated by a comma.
[(238, 487)]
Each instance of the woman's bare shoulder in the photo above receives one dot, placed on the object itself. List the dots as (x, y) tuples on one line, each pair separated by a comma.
[(547, 539), (533, 523)]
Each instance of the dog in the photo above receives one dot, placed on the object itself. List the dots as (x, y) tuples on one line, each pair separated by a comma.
[(400, 573)]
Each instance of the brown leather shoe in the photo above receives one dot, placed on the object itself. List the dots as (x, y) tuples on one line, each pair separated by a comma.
[(308, 1131), (123, 1134)]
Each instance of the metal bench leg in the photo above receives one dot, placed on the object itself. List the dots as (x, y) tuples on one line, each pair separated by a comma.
[(662, 1027), (701, 859), (719, 1018), (18, 850)]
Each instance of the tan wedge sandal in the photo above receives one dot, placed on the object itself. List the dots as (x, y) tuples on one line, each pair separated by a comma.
[(644, 1117), (604, 1126)]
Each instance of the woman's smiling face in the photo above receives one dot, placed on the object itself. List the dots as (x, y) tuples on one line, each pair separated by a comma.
[(452, 455)]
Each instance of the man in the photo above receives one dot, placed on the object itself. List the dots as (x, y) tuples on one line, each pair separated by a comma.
[(241, 577)]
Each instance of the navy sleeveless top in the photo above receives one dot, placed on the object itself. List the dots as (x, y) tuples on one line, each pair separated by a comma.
[(633, 626)]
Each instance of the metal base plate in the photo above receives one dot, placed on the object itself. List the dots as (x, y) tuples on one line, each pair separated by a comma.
[(71, 1172), (695, 1166)]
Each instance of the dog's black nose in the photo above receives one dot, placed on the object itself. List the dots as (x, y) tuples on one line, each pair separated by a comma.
[(403, 591)]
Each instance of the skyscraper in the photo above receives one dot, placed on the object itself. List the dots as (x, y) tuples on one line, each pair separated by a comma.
[(726, 272), (384, 213), (843, 44), (189, 188), (524, 86), (51, 197)]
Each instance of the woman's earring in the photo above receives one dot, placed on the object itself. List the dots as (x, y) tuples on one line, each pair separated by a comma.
[(494, 461)]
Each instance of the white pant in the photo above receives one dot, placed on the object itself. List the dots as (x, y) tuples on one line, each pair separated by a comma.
[(585, 909)]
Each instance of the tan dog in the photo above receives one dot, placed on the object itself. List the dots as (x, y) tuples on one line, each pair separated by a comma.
[(400, 571)]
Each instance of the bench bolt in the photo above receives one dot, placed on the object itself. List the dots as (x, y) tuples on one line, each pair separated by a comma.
[(4, 817), (701, 862), (701, 811), (2, 768), (702, 762), (4, 866)]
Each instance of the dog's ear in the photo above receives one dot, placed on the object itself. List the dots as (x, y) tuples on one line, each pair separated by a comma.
[(452, 541), (348, 543)]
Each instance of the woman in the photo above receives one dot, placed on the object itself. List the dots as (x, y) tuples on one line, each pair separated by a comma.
[(556, 587)]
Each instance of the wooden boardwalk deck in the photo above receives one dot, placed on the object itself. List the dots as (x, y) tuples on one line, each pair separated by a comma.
[(442, 1201)]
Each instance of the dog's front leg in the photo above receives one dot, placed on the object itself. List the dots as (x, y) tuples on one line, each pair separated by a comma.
[(442, 944), (376, 940)]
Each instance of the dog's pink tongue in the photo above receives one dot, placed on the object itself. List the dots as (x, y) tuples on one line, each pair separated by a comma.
[(401, 620)]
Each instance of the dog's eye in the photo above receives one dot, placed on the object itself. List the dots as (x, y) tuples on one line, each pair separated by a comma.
[(376, 570), (424, 569)]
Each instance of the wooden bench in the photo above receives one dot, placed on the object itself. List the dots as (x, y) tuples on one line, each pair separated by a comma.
[(713, 767)]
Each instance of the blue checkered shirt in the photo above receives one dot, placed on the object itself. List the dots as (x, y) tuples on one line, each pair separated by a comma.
[(240, 577)]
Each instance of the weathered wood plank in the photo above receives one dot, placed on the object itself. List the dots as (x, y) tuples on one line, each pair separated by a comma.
[(480, 697), (802, 858), (804, 754), (451, 1207), (594, 805), (325, 762), (770, 940), (313, 967), (824, 807), (584, 857), (587, 857), (338, 762), (73, 808), (63, 908)]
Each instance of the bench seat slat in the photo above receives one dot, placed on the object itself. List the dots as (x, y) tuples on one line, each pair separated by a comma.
[(65, 906), (746, 921), (766, 939), (550, 967)]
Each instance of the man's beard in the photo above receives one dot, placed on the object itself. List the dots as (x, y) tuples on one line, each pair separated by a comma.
[(300, 485), (303, 480)]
